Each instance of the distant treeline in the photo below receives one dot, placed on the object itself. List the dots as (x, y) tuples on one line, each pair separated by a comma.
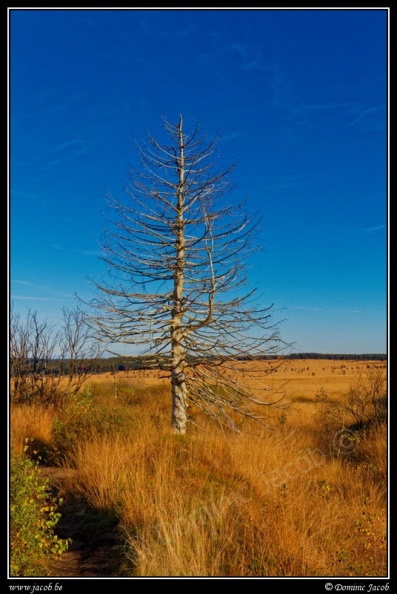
[(131, 363), (137, 362), (366, 357)]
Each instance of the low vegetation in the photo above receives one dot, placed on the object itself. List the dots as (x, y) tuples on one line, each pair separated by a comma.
[(307, 497), (34, 514)]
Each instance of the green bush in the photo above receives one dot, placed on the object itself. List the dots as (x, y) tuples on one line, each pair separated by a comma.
[(33, 518), (82, 419)]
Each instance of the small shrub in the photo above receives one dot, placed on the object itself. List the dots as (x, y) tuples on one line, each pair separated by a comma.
[(367, 399), (343, 425), (33, 517), (82, 419)]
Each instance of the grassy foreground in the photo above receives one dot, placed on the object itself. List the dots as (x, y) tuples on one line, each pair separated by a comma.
[(307, 499)]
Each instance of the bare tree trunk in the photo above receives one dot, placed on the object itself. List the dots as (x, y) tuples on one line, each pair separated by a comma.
[(177, 287), (179, 391), (178, 383)]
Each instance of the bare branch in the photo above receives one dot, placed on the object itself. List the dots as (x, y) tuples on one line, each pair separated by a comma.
[(176, 257)]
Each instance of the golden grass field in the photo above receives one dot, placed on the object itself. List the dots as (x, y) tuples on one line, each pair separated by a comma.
[(210, 503), (305, 376)]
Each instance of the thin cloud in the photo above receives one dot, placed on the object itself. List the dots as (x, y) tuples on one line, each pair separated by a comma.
[(307, 308), (249, 57), (88, 252), (179, 33), (66, 145), (287, 182), (40, 288), (231, 136), (365, 231), (369, 230), (374, 229), (70, 149), (365, 119), (76, 251), (92, 23), (212, 54), (57, 101), (31, 298), (323, 309), (325, 107)]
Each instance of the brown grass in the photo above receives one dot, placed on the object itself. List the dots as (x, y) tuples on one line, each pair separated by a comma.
[(212, 504), (31, 423)]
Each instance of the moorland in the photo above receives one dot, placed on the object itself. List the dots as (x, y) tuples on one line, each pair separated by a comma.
[(307, 495)]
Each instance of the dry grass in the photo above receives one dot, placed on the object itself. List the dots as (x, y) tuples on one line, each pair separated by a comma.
[(212, 504), (33, 423)]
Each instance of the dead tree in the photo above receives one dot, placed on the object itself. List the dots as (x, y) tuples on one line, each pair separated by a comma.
[(49, 363), (177, 289)]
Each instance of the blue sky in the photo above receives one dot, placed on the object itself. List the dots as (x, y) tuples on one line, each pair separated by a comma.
[(300, 97)]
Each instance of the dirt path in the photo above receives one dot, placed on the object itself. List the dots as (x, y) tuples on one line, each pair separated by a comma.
[(96, 548)]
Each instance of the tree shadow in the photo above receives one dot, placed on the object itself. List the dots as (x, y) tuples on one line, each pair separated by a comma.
[(98, 547)]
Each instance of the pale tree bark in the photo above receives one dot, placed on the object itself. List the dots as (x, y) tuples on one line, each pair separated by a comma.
[(176, 257), (178, 351)]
